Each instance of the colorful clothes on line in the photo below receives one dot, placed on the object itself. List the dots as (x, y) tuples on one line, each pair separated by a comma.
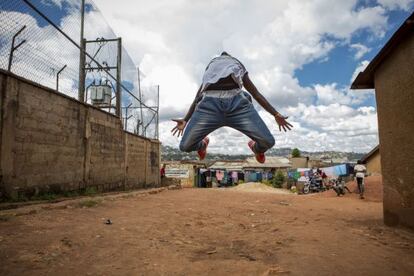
[(219, 175)]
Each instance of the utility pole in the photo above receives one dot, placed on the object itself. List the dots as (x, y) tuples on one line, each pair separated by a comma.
[(140, 98), (82, 57), (158, 112), (118, 80)]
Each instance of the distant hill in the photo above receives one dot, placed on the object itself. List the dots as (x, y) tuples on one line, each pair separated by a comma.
[(173, 154)]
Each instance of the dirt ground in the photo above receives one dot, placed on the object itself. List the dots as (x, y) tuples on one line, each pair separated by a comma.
[(205, 232)]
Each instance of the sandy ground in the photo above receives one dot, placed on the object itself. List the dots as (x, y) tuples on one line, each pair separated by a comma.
[(256, 187), (206, 232)]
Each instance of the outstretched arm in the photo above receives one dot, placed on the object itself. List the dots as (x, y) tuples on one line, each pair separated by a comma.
[(281, 120), (181, 123), (193, 105)]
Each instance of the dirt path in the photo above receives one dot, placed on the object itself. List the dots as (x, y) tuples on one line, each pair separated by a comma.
[(207, 231)]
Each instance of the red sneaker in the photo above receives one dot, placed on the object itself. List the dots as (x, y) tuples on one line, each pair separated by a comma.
[(203, 151), (260, 157)]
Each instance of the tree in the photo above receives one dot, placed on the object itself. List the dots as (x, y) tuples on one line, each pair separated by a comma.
[(278, 179), (295, 152)]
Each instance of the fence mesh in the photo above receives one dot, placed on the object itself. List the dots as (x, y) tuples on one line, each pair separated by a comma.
[(45, 56)]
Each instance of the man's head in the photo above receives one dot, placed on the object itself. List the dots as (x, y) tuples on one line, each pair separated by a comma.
[(359, 162)]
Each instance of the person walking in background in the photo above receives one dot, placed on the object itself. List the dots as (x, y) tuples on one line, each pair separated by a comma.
[(324, 180), (162, 171), (220, 101), (360, 171)]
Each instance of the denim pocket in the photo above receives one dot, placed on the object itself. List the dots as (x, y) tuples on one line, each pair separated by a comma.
[(246, 96)]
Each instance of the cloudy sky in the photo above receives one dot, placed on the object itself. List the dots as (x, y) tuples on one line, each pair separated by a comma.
[(301, 54)]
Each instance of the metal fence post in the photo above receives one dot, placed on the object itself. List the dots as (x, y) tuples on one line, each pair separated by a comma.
[(118, 79), (141, 121), (13, 48), (57, 77), (82, 57)]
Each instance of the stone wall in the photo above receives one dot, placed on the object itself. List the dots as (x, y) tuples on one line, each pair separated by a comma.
[(394, 82), (51, 142)]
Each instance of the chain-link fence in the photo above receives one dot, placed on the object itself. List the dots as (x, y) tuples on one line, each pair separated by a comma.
[(40, 40)]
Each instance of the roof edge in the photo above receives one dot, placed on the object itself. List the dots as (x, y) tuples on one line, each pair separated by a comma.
[(365, 79), (370, 154)]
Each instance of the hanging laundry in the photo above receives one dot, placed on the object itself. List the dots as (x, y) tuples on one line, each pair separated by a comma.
[(329, 171), (234, 176), (219, 175), (340, 170)]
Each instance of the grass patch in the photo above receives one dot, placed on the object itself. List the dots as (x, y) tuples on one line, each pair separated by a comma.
[(88, 203), (90, 191), (45, 196), (71, 194), (267, 183)]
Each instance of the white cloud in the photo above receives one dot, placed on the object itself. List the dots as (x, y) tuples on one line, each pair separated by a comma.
[(328, 94), (360, 50), (174, 40)]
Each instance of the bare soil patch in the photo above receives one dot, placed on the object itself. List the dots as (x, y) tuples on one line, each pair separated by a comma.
[(256, 187), (206, 232)]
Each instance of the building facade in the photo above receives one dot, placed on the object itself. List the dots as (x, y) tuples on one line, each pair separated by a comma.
[(372, 162), (391, 73)]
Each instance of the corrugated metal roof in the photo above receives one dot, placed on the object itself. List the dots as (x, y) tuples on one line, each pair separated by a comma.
[(230, 166), (271, 162)]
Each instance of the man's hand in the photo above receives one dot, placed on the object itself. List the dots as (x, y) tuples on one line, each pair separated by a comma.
[(281, 121), (179, 128)]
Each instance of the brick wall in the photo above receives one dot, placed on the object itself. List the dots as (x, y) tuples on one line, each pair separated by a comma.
[(50, 142)]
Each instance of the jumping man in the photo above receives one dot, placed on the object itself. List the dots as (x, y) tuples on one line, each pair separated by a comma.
[(220, 101)]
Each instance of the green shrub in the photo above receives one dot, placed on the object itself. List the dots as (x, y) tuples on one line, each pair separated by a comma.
[(45, 196), (295, 152), (89, 191), (278, 180), (267, 182)]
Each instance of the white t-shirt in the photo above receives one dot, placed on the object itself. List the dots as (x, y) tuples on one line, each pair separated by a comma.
[(360, 170), (221, 67)]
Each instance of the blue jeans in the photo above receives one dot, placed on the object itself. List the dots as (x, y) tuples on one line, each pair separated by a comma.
[(236, 112)]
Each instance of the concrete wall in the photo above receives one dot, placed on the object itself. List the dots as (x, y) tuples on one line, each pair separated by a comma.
[(185, 182), (374, 164), (394, 85), (50, 142), (299, 162)]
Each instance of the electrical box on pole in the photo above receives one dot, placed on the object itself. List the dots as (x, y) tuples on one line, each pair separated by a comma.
[(100, 94)]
